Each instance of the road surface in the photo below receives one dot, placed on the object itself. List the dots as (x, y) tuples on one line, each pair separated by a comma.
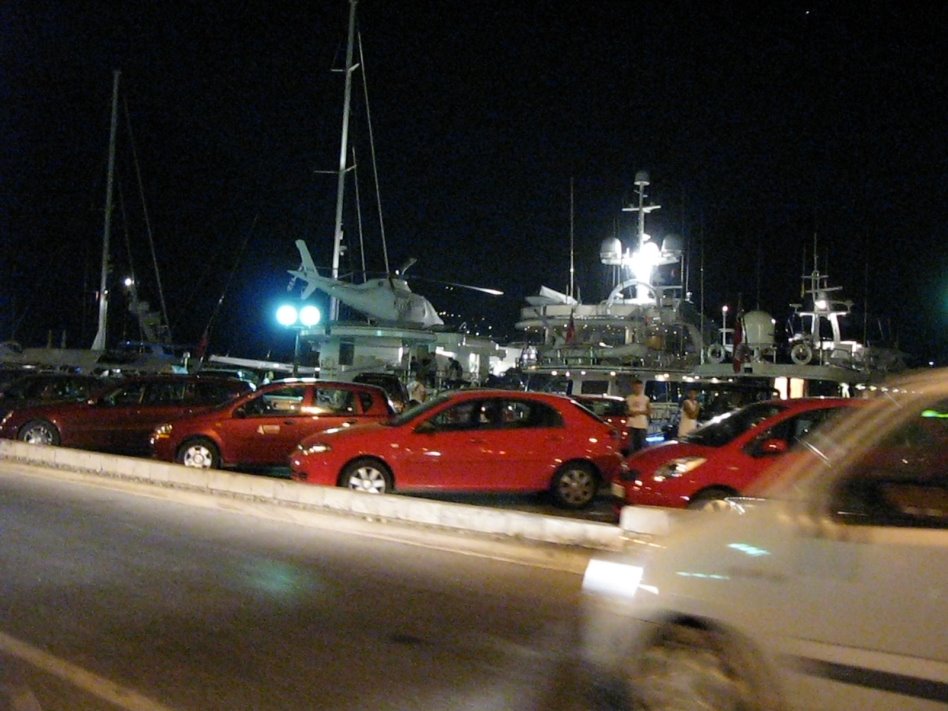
[(111, 600)]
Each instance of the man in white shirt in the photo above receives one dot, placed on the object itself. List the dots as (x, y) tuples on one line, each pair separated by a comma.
[(640, 410)]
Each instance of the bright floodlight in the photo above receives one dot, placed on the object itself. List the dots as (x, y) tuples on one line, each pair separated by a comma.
[(309, 316), (286, 315)]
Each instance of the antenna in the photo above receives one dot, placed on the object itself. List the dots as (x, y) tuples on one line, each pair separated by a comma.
[(572, 264)]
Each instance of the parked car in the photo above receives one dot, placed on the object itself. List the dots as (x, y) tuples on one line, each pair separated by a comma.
[(825, 591), (50, 387), (120, 419), (262, 428), (471, 440), (725, 456), (390, 383), (612, 408)]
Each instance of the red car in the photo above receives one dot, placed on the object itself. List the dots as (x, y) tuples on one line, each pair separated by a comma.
[(724, 457), (471, 440), (262, 428), (122, 418), (611, 408)]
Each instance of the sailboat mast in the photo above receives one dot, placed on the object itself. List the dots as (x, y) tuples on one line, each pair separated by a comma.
[(343, 156), (572, 220), (99, 343)]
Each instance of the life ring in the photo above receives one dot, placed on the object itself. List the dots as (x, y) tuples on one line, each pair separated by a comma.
[(716, 353), (801, 354)]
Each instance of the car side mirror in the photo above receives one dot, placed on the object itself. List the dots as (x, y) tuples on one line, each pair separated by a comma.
[(426, 427), (772, 446), (240, 413)]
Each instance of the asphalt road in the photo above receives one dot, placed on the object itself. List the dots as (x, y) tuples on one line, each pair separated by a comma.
[(111, 600)]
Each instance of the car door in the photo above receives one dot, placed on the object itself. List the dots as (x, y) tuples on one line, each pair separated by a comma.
[(869, 629), (519, 445), (112, 421), (161, 401), (266, 428), (442, 450)]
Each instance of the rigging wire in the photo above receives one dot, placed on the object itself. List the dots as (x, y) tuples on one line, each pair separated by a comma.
[(230, 277), (375, 172), (148, 231)]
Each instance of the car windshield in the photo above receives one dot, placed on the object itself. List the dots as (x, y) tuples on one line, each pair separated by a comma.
[(725, 428), (418, 411)]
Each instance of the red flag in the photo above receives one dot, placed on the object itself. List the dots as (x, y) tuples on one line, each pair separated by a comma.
[(201, 349), (571, 329)]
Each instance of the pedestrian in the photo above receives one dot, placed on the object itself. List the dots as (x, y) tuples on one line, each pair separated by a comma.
[(455, 372), (640, 410), (417, 392), (690, 409)]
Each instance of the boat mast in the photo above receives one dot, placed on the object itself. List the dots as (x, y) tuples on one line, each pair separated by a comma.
[(572, 263), (99, 343), (343, 156)]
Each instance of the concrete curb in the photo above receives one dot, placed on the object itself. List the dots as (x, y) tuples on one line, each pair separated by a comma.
[(403, 509)]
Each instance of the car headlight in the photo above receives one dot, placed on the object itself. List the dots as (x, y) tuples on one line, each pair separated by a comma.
[(612, 578), (317, 448), (162, 431), (678, 467), (6, 418)]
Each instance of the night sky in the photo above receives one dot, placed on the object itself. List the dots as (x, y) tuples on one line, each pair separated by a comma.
[(760, 126)]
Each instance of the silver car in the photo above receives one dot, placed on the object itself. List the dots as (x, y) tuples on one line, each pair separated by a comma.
[(829, 591)]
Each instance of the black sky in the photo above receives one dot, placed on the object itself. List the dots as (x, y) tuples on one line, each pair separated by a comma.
[(760, 126)]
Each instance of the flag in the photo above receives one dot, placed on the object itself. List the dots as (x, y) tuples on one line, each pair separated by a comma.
[(201, 349), (571, 330)]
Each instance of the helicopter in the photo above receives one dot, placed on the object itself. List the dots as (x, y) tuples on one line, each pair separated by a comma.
[(387, 299)]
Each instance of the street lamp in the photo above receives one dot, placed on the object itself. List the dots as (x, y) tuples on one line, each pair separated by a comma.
[(724, 325), (297, 319)]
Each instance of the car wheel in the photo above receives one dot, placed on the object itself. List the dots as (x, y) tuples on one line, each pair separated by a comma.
[(711, 499), (39, 432), (368, 475), (690, 668), (574, 486), (200, 454)]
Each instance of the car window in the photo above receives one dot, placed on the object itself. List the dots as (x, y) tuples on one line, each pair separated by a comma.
[(727, 427), (166, 393), (463, 416), (365, 401), (333, 401), (903, 480), (131, 394), (793, 429), (281, 401)]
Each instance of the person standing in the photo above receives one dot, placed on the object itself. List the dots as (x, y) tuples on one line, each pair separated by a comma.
[(417, 392), (640, 410), (690, 409)]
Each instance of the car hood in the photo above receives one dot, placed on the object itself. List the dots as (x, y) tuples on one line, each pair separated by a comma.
[(340, 433), (652, 457)]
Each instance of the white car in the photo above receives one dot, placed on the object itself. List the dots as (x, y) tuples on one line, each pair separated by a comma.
[(828, 592)]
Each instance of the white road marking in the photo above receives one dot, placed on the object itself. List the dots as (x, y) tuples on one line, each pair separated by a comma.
[(91, 683)]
